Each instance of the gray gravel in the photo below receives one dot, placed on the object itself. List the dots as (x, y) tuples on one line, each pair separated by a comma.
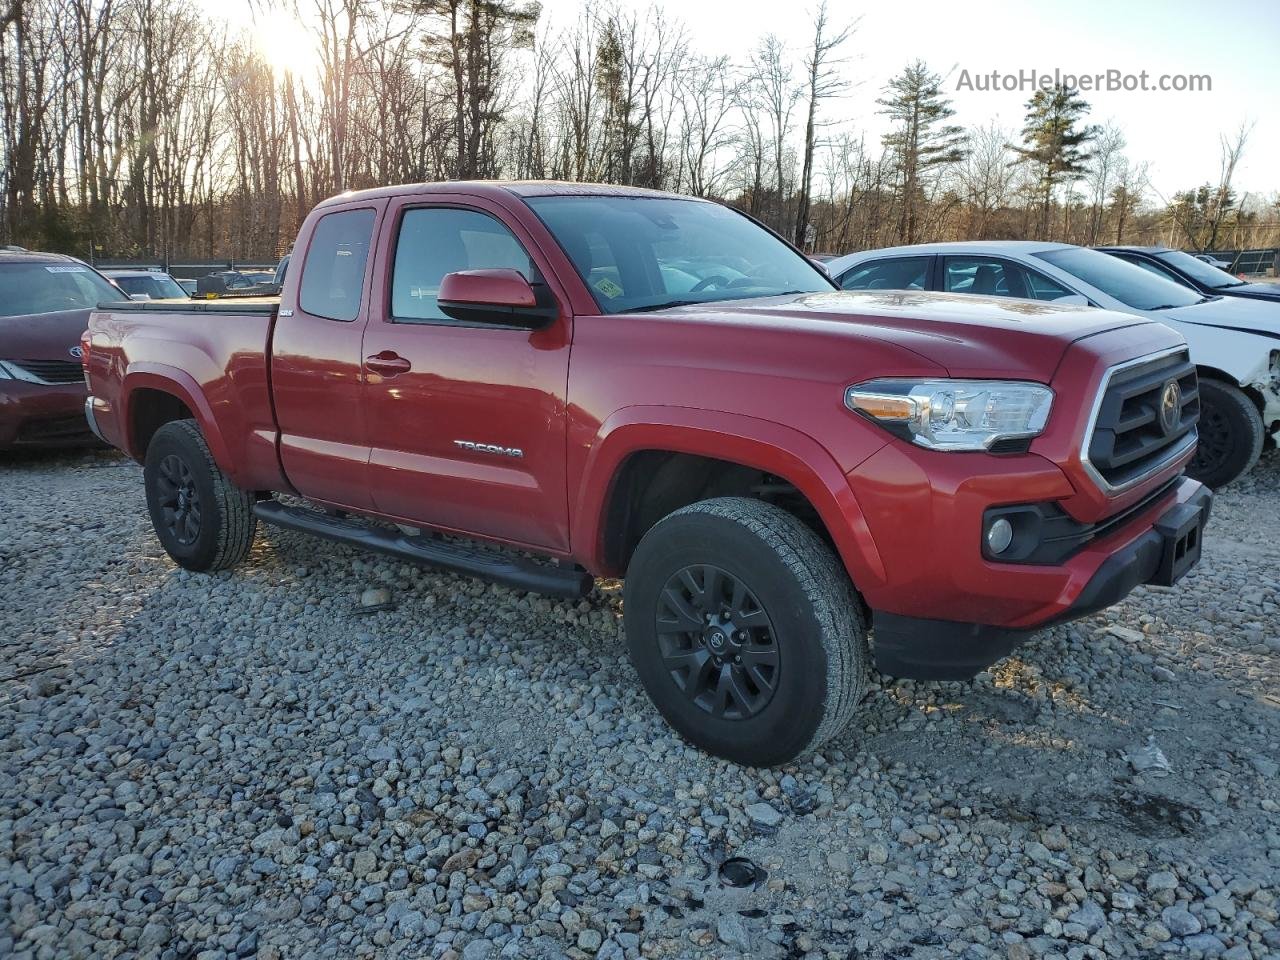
[(287, 761)]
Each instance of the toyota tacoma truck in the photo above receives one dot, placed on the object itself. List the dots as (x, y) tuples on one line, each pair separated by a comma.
[(544, 383)]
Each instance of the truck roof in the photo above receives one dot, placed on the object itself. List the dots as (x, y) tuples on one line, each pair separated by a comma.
[(519, 188)]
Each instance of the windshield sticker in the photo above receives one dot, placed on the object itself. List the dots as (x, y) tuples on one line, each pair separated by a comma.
[(607, 287), (67, 269)]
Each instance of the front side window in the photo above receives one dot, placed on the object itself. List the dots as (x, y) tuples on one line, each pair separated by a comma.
[(435, 241), (30, 288), (898, 273), (1132, 286), (1155, 269), (333, 275), (994, 277), (650, 253)]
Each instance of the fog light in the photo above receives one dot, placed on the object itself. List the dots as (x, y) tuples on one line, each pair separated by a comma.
[(999, 535)]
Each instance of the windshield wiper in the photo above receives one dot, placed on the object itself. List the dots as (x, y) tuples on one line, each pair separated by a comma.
[(1166, 306), (666, 305)]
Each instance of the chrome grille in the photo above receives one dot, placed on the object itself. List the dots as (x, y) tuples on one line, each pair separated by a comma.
[(52, 371)]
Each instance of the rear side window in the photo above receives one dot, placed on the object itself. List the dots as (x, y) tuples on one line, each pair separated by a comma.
[(899, 273), (435, 241), (333, 275)]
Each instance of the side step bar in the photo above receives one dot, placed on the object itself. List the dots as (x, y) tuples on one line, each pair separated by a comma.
[(523, 574)]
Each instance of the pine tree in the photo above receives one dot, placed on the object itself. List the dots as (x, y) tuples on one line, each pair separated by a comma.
[(922, 142), (469, 49), (1055, 142)]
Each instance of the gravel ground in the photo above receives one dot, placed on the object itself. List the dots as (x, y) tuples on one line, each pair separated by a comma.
[(256, 764)]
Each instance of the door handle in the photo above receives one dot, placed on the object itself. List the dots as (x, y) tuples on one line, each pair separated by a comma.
[(388, 363)]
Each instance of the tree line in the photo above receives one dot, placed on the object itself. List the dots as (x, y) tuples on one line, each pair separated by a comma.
[(140, 128)]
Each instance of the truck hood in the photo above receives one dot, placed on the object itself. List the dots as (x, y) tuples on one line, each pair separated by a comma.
[(1230, 313), (969, 336), (42, 336)]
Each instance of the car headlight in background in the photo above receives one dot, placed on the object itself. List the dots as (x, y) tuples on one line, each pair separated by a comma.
[(954, 414)]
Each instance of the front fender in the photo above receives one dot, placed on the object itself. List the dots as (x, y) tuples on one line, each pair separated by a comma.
[(762, 444)]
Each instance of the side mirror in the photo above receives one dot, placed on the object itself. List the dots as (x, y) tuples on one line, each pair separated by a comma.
[(1074, 299), (502, 297)]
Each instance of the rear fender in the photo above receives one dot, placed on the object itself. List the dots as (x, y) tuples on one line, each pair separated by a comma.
[(173, 381), (761, 444)]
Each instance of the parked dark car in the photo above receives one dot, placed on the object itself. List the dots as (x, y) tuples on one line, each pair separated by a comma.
[(1193, 272), (45, 299), (225, 283)]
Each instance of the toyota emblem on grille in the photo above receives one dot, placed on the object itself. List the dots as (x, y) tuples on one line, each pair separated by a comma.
[(1170, 407), (76, 352)]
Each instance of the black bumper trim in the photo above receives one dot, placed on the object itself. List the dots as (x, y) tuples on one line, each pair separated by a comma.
[(922, 649)]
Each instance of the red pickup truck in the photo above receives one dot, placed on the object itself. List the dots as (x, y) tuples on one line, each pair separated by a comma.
[(621, 383)]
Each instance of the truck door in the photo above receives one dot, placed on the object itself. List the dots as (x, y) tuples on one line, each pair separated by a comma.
[(466, 422), (316, 360)]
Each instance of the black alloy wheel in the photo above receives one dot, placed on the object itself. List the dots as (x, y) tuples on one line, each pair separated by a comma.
[(717, 642), (203, 521), (178, 499)]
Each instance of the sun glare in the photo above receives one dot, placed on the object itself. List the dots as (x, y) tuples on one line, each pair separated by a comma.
[(286, 44)]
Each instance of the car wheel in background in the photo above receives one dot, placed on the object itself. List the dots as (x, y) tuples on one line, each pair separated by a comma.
[(1230, 432)]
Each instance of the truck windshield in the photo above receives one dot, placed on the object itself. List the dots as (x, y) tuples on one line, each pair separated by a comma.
[(648, 253), (29, 288), (1131, 285)]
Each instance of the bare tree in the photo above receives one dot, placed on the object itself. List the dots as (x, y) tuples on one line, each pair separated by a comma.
[(824, 82)]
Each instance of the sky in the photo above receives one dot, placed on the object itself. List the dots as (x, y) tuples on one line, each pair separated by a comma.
[(1237, 45)]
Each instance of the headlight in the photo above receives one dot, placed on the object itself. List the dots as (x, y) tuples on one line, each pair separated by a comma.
[(954, 414)]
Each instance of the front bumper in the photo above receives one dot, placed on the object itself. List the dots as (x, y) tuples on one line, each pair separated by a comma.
[(1160, 553), (43, 415)]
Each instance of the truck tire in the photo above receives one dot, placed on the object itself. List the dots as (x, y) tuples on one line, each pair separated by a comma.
[(1231, 435), (202, 520), (745, 630)]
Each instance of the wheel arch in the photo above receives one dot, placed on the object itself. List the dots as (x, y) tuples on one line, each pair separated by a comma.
[(665, 443), (154, 395)]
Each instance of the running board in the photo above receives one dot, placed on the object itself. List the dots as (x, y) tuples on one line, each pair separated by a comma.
[(557, 581)]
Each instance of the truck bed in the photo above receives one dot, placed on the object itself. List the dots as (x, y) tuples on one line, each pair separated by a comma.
[(211, 356)]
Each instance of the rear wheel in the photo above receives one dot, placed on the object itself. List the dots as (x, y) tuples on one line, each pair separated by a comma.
[(1231, 434), (202, 520), (745, 630)]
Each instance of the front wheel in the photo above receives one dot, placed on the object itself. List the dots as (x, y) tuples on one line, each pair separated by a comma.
[(202, 520), (745, 630), (1231, 434)]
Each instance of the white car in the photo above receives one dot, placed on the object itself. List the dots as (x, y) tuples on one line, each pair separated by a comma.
[(1235, 343), (147, 284)]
